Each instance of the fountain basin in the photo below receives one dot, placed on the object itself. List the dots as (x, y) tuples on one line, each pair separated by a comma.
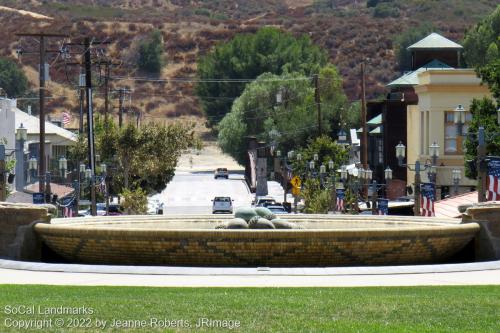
[(327, 240)]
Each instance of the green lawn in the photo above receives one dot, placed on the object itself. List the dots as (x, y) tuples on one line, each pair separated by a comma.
[(409, 309)]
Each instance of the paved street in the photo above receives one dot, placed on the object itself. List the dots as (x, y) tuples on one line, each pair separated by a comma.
[(191, 193)]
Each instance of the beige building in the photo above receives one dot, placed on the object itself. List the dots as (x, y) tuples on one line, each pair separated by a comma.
[(439, 92)]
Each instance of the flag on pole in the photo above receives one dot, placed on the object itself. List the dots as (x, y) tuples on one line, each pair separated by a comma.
[(382, 206), (340, 200), (66, 119), (101, 187), (493, 187), (427, 199)]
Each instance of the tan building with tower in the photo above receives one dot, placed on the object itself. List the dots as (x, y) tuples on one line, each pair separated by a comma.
[(431, 120)]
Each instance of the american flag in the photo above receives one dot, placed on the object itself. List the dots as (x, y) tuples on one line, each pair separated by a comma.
[(340, 200), (101, 187), (66, 118), (493, 186), (382, 206), (68, 211), (427, 198)]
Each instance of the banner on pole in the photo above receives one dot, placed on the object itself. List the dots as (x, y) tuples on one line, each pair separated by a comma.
[(427, 199), (339, 205), (493, 188), (382, 206)]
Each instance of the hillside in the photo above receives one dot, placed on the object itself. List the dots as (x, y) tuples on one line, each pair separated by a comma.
[(347, 29)]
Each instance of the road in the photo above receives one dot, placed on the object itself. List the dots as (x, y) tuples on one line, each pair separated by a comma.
[(191, 193)]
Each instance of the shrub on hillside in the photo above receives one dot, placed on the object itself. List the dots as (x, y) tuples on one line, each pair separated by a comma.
[(150, 53), (383, 10)]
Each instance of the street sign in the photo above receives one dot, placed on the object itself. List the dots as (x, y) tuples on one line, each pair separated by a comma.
[(296, 181), (296, 191), (38, 198)]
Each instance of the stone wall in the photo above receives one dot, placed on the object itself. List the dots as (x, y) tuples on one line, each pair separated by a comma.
[(487, 215), (17, 237)]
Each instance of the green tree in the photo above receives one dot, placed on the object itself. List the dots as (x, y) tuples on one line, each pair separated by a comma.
[(247, 56), (12, 78), (290, 123), (135, 202), (481, 43), (318, 199), (407, 38), (151, 58), (484, 113)]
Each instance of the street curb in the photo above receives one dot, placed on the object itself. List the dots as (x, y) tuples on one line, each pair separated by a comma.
[(250, 271)]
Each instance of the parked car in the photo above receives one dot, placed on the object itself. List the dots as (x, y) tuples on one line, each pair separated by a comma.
[(222, 205), (114, 209), (264, 200), (221, 173), (277, 209)]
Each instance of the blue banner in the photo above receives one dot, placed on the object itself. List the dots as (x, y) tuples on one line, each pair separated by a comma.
[(38, 198), (382, 206)]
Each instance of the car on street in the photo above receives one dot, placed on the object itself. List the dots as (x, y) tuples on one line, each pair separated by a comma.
[(221, 173), (114, 209), (222, 205), (264, 201), (277, 209)]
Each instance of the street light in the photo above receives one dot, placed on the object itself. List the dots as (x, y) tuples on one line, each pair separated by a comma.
[(278, 153), (459, 118), (104, 168), (311, 165), (290, 154), (368, 174), (33, 166), (343, 172), (330, 165), (456, 177), (22, 133), (388, 173), (63, 166), (434, 152), (299, 157), (400, 152), (322, 169), (342, 137), (88, 173), (316, 157), (82, 168)]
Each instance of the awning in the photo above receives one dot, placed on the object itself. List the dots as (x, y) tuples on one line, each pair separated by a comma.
[(449, 207)]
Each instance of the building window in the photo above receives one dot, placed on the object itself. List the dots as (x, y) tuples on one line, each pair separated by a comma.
[(453, 143)]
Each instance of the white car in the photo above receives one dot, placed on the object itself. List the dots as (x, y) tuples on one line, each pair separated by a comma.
[(222, 205), (221, 173)]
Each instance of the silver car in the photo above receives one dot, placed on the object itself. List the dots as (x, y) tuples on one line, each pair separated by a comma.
[(222, 205)]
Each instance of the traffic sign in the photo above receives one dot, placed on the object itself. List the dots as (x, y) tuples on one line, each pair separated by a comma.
[(38, 198), (295, 191), (296, 181)]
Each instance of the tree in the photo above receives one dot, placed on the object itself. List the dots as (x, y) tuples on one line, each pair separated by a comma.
[(481, 43), (484, 113), (288, 124), (406, 39), (247, 56), (135, 202), (12, 78), (150, 51), (318, 199), (139, 157)]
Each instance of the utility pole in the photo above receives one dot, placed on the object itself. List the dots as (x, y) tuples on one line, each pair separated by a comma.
[(81, 91), (42, 53), (364, 137), (90, 123), (121, 97), (317, 99)]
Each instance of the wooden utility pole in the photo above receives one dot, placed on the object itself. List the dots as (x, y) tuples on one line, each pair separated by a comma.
[(364, 136), (121, 97), (317, 99), (42, 53)]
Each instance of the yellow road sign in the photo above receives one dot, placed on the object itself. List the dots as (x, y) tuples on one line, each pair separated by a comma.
[(295, 191), (296, 181)]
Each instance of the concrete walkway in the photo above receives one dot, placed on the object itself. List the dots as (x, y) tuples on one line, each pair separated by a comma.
[(14, 272)]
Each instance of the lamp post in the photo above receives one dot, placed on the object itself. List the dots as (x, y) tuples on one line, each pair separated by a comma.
[(456, 177), (401, 154), (33, 166), (459, 118), (63, 166), (104, 173), (21, 137)]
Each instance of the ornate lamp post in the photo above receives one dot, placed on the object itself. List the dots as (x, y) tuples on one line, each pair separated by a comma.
[(63, 166), (459, 118), (456, 177), (33, 166), (401, 154), (21, 137)]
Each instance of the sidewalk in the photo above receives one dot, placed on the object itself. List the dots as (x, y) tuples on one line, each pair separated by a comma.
[(13, 272)]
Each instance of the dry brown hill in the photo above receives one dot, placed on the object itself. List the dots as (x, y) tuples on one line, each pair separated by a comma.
[(347, 29)]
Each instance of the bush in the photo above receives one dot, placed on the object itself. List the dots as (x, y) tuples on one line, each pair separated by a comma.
[(135, 202), (150, 51), (383, 10), (12, 78)]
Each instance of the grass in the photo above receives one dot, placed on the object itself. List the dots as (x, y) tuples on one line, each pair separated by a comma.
[(393, 309)]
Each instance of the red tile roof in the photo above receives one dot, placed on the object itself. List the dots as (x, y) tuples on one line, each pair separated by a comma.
[(449, 207)]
